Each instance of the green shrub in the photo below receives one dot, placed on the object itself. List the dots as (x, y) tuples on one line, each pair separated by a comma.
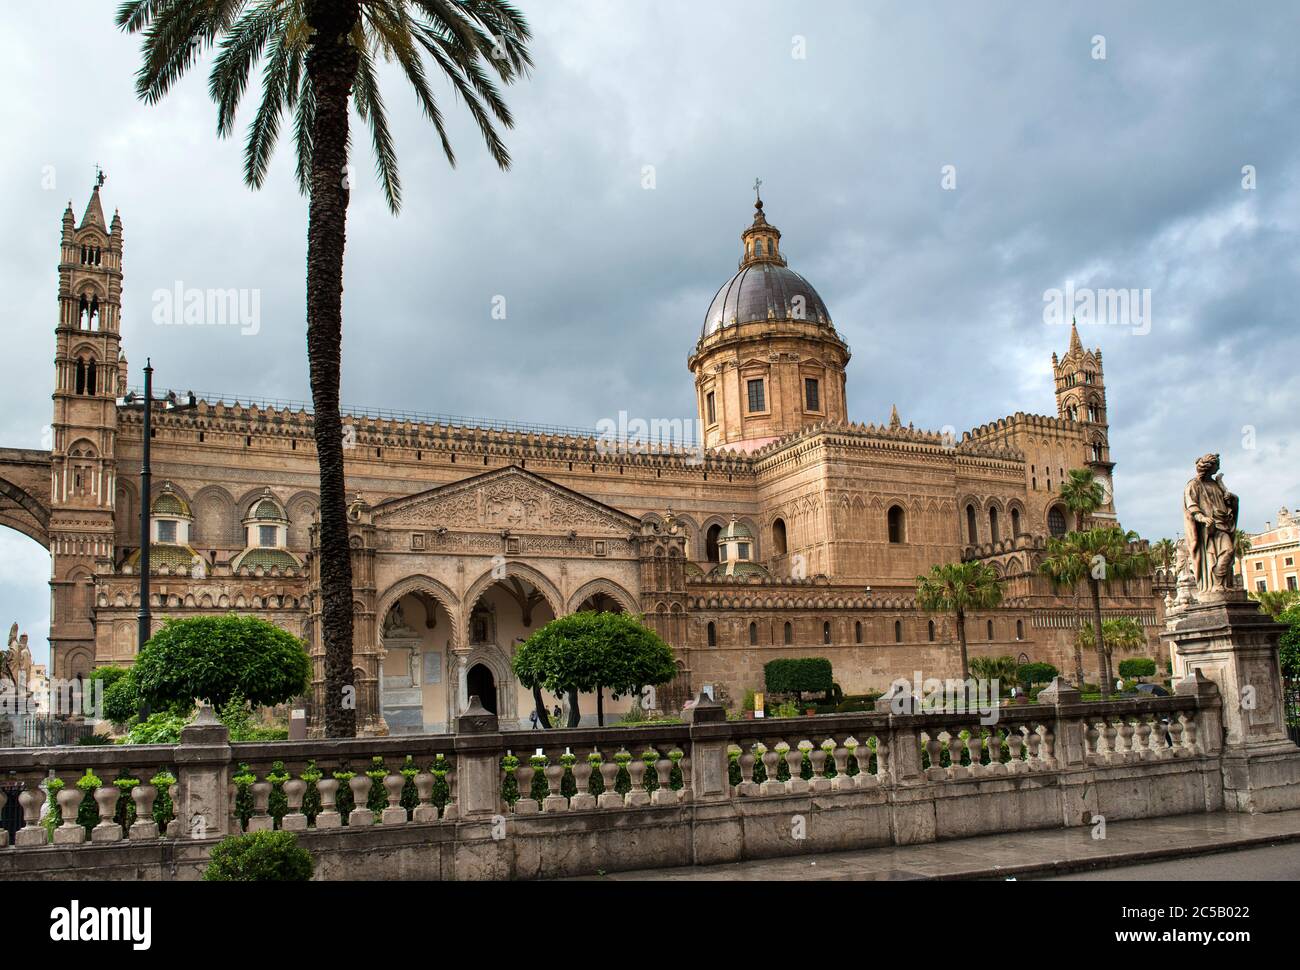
[(798, 676), (1137, 667), (259, 857), (1036, 672)]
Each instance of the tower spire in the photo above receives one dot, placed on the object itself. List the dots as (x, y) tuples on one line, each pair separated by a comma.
[(1075, 343)]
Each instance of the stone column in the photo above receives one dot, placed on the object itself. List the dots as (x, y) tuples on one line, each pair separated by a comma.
[(203, 763), (709, 777), (1225, 637), (478, 754), (1067, 729)]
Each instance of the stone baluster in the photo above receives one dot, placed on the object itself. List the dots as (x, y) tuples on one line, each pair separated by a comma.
[(554, 801), (1048, 751), (106, 802), (884, 773), (795, 785), (747, 787), (1112, 754), (425, 812), (451, 810), (69, 833), (664, 794), (295, 790), (1016, 748), (819, 781), (144, 826), (1159, 737), (260, 821), (637, 796), (393, 813), (771, 786), (32, 833), (172, 823), (609, 778), (328, 817), (1142, 748), (1034, 741), (360, 784), (843, 781), (583, 800), (933, 746), (975, 749), (955, 746), (993, 745), (1176, 749), (1188, 720), (526, 805), (1093, 739)]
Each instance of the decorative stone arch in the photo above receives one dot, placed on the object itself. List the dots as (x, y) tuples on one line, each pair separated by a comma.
[(691, 529), (1015, 515), (550, 592), (701, 549), (301, 509), (219, 528), (421, 584), (611, 589), (498, 662)]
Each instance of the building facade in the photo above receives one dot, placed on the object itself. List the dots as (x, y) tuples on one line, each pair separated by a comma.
[(1270, 565), (793, 531)]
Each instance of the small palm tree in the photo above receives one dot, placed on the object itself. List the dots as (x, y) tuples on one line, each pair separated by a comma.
[(321, 57), (1121, 634), (1095, 557), (959, 587), (1241, 546), (1275, 602), (1082, 495)]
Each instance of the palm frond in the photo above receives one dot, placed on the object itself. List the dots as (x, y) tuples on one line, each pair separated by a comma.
[(240, 49), (370, 106)]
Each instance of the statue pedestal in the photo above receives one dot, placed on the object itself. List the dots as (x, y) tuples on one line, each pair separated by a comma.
[(1226, 638)]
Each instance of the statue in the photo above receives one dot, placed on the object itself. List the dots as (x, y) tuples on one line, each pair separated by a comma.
[(1210, 519), (16, 665)]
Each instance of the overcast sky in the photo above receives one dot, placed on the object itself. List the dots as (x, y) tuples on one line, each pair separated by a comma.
[(1115, 171)]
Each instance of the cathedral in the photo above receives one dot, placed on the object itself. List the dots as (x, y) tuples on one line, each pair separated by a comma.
[(794, 531)]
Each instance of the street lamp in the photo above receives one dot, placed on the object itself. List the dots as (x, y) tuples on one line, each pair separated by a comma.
[(170, 403)]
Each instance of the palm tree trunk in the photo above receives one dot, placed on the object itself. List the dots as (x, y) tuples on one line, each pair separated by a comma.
[(331, 65), (1103, 666), (1078, 647), (961, 638)]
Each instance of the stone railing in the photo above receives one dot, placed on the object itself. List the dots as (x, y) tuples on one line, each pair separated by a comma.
[(482, 803)]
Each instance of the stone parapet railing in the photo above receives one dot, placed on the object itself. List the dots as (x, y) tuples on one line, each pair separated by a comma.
[(482, 803)]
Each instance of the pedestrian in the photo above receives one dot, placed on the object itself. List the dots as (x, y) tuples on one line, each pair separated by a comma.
[(558, 715), (533, 717)]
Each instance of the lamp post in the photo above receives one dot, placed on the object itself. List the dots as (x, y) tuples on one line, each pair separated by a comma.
[(170, 403)]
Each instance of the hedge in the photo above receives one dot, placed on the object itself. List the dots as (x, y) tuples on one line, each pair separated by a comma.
[(798, 676)]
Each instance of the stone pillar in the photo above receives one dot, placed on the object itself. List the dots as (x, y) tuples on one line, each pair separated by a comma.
[(203, 763), (1067, 728), (478, 754), (1225, 637), (709, 777), (904, 738)]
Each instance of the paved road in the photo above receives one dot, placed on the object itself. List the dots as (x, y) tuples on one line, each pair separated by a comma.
[(1275, 862)]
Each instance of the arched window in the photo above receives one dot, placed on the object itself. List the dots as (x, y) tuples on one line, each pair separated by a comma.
[(1056, 521), (896, 524), (789, 633), (81, 376), (711, 542), (1096, 452), (972, 534), (1020, 629), (753, 634), (779, 537), (857, 631), (758, 247), (713, 634), (898, 631), (930, 630), (826, 632), (990, 629), (993, 525), (90, 377), (1015, 522)]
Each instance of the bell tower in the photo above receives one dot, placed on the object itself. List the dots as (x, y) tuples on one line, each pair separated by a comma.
[(1081, 398), (87, 368)]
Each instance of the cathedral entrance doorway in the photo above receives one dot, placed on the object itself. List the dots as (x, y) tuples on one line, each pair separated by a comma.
[(480, 682)]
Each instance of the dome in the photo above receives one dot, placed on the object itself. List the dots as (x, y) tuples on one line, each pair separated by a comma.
[(764, 291), (735, 531), (268, 510), (169, 503)]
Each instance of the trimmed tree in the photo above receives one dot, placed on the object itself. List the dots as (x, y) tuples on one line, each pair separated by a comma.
[(591, 653), (220, 657), (798, 676), (959, 588)]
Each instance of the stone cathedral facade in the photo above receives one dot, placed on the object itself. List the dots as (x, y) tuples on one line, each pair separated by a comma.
[(795, 531)]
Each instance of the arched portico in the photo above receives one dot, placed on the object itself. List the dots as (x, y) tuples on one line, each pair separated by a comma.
[(418, 640), (607, 589)]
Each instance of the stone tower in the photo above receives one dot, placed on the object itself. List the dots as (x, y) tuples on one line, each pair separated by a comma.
[(1081, 397), (768, 361), (87, 369)]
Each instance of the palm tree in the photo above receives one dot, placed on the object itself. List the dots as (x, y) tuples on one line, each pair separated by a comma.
[(958, 587), (1082, 495), (1121, 634), (1164, 552), (1096, 557), (320, 57), (1241, 546), (1275, 602)]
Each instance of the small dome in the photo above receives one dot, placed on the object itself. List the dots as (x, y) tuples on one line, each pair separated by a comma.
[(735, 530), (167, 554), (169, 503), (265, 558), (267, 509)]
